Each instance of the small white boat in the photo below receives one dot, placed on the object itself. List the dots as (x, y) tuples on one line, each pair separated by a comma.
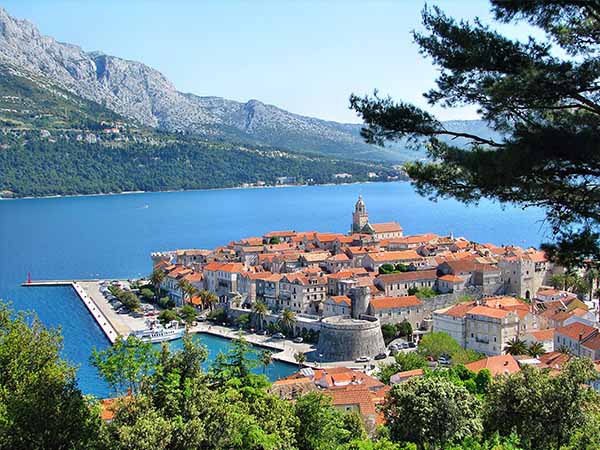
[(157, 333)]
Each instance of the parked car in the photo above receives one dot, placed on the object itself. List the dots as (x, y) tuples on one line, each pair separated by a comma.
[(444, 359), (412, 345), (278, 336), (405, 345), (380, 356), (298, 340), (263, 333), (362, 359)]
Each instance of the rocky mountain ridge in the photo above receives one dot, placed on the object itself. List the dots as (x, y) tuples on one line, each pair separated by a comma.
[(139, 92)]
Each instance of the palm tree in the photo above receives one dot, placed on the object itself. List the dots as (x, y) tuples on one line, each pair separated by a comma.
[(156, 279), (266, 357), (259, 311), (564, 349), (536, 349), (300, 359), (288, 320), (515, 346), (208, 298), (183, 286), (191, 291)]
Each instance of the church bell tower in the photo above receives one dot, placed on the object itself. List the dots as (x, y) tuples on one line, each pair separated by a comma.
[(360, 217)]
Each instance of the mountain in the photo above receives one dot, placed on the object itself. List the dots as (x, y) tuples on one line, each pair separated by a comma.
[(53, 142), (144, 95)]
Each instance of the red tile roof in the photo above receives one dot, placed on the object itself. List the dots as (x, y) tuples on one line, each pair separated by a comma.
[(576, 330), (408, 276), (386, 227), (498, 365), (402, 255), (395, 302)]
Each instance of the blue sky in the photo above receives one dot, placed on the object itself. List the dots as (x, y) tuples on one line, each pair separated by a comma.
[(304, 56)]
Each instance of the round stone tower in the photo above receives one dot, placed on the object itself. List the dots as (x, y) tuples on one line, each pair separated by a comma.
[(343, 338), (360, 297)]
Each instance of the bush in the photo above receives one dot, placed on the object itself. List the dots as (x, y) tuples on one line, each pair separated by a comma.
[(147, 294), (166, 303), (389, 332), (217, 315), (167, 316)]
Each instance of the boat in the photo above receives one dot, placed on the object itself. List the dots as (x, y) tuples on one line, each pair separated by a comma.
[(158, 333)]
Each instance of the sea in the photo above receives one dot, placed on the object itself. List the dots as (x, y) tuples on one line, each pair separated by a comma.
[(112, 236)]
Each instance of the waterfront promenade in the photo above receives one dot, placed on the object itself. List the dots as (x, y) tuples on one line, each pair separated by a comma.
[(114, 324)]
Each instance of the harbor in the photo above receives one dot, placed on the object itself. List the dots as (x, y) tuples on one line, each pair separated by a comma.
[(114, 324)]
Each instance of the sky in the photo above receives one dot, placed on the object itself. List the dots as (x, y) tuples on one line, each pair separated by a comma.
[(304, 56)]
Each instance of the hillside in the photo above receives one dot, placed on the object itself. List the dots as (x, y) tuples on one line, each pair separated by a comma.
[(144, 95), (56, 143)]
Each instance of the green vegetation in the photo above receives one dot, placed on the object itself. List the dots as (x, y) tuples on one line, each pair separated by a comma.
[(391, 268), (127, 298), (423, 293), (539, 94), (439, 344), (173, 404), (168, 315), (403, 362), (188, 314)]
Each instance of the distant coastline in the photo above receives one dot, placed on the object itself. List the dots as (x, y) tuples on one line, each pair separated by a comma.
[(102, 194)]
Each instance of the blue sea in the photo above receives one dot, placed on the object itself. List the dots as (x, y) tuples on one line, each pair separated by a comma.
[(112, 236)]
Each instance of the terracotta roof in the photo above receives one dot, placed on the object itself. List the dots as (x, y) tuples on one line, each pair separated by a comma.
[(593, 343), (459, 310), (415, 239), (452, 278), (498, 365), (357, 396), (489, 312), (194, 277), (403, 376), (407, 276), (287, 233), (542, 335), (341, 299), (402, 255), (395, 302), (575, 330), (554, 360), (386, 227), (327, 237)]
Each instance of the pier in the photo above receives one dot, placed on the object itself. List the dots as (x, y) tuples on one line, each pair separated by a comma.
[(94, 304)]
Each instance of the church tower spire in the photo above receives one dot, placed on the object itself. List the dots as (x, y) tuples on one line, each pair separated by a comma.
[(360, 217)]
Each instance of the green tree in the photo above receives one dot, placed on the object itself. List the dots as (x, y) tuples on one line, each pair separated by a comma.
[(404, 328), (431, 412), (288, 320), (188, 314), (389, 332), (320, 426), (40, 404), (300, 359), (536, 349), (209, 299), (259, 313), (156, 279), (543, 409), (275, 240), (515, 346), (147, 294), (130, 300), (126, 365), (266, 358), (243, 320), (437, 344), (184, 288), (540, 99), (403, 362), (166, 316)]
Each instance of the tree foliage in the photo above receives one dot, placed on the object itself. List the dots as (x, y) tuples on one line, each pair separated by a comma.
[(540, 96), (41, 406)]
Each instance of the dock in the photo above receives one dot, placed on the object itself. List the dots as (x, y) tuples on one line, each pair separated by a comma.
[(93, 305)]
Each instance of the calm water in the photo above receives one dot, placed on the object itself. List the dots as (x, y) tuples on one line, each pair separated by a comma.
[(112, 237)]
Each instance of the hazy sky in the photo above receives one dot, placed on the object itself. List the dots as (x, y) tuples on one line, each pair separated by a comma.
[(304, 56)]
